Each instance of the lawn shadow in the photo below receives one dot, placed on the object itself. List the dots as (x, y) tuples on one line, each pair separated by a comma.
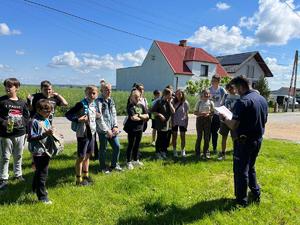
[(157, 213)]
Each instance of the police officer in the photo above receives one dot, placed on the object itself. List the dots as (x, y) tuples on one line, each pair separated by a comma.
[(249, 118)]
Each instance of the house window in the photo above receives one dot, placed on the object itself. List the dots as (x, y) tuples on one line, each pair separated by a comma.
[(204, 71), (250, 71)]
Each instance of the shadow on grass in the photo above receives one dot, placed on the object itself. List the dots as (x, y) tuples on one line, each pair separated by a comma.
[(157, 213)]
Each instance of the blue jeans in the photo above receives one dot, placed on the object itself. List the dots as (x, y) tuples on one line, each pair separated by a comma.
[(115, 145), (244, 158)]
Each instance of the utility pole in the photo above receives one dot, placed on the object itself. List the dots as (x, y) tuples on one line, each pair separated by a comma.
[(292, 90)]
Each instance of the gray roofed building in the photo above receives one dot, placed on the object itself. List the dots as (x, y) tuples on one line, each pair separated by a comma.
[(249, 64)]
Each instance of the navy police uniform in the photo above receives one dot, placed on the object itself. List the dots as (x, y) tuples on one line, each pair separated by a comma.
[(251, 110)]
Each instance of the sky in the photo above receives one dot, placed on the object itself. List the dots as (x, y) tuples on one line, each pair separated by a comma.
[(37, 43)]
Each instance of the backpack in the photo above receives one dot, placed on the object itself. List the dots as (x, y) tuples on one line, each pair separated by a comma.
[(74, 124)]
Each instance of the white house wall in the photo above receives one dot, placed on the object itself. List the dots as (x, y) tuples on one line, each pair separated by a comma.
[(195, 67), (182, 79), (258, 72), (154, 73)]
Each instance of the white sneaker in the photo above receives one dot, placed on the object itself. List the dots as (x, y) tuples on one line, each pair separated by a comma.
[(175, 153), (153, 143), (130, 166), (158, 156), (183, 153), (137, 163), (163, 155), (118, 168)]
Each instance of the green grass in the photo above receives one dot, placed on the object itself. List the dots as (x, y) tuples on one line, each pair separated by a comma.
[(162, 192)]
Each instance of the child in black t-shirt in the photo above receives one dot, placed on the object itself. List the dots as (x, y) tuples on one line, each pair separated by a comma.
[(137, 115)]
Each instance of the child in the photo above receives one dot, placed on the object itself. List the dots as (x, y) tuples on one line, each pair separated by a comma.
[(228, 101), (179, 120), (163, 110), (14, 115), (204, 110), (156, 95), (137, 115), (38, 138), (84, 113)]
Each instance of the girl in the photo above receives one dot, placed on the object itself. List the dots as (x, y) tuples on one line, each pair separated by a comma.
[(137, 116), (179, 120)]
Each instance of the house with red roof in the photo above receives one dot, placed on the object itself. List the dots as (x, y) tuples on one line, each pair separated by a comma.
[(170, 64)]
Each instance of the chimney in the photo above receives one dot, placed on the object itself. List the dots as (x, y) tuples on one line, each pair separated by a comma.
[(182, 43)]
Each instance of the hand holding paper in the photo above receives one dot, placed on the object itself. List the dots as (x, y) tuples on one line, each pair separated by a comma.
[(224, 111)]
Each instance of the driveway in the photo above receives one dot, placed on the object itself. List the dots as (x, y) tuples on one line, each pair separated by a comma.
[(285, 126)]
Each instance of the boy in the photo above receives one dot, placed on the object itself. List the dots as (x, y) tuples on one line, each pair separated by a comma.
[(216, 94), (162, 110), (40, 130), (48, 93), (84, 114), (14, 115), (228, 101), (156, 95), (204, 110)]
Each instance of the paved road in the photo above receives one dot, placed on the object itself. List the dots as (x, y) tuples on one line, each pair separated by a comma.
[(280, 126)]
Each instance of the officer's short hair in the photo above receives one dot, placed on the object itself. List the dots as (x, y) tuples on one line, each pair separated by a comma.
[(240, 81)]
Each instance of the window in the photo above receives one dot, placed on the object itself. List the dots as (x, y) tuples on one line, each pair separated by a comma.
[(250, 71), (204, 71)]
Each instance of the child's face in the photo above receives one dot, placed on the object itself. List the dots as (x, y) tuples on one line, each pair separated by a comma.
[(47, 91), (92, 94), (232, 91), (44, 112), (135, 97), (11, 90), (178, 95), (205, 96)]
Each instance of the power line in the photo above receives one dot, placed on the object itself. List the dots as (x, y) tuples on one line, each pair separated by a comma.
[(88, 20), (285, 1)]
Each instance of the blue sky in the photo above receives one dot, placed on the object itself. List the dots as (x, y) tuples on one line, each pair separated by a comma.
[(38, 44)]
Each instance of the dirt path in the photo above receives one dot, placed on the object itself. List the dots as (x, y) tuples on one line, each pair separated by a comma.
[(284, 126)]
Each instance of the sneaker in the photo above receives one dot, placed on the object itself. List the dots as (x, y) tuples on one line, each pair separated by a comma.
[(3, 184), (88, 179), (46, 201), (105, 171), (183, 153), (153, 143), (137, 163), (175, 153), (158, 156), (117, 168), (82, 183), (164, 155), (207, 156), (19, 178), (130, 166), (221, 156)]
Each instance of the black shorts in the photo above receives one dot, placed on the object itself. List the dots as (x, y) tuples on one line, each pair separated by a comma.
[(85, 145), (224, 131), (181, 128)]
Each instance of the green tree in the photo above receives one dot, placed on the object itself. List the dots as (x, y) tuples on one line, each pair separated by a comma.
[(263, 87)]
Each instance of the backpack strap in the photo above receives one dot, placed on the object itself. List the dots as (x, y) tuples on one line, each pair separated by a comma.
[(85, 106)]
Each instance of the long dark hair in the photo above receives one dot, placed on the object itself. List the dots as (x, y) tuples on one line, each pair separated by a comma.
[(182, 98)]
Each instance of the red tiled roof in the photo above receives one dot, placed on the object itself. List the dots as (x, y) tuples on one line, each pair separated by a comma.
[(177, 56)]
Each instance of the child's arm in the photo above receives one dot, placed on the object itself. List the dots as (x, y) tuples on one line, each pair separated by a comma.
[(36, 132), (61, 99), (72, 113)]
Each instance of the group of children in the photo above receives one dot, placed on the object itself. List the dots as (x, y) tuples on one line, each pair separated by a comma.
[(96, 115)]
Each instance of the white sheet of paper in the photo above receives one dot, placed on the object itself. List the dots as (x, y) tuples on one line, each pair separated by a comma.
[(223, 110)]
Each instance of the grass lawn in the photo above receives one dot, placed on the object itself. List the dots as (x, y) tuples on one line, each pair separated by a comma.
[(162, 192)]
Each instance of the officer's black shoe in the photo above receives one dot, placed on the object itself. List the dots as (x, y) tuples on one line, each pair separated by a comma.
[(254, 198), (241, 203)]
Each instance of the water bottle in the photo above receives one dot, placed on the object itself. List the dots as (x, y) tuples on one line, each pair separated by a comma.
[(10, 124)]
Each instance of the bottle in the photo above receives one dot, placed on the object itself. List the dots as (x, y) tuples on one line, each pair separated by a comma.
[(10, 124)]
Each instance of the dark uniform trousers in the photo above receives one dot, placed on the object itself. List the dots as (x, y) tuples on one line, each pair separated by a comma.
[(244, 157)]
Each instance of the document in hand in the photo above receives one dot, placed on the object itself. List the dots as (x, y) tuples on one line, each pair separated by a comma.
[(224, 111)]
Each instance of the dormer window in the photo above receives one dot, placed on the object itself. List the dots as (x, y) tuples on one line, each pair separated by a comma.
[(204, 71), (152, 57)]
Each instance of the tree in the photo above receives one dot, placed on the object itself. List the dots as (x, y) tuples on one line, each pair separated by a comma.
[(263, 87), (195, 87)]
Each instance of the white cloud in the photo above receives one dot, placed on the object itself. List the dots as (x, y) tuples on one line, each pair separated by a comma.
[(221, 39), (20, 52), (5, 68), (275, 23), (36, 68), (5, 30), (222, 6), (87, 62), (282, 73)]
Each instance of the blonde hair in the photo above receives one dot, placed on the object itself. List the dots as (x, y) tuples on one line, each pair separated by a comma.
[(91, 88)]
